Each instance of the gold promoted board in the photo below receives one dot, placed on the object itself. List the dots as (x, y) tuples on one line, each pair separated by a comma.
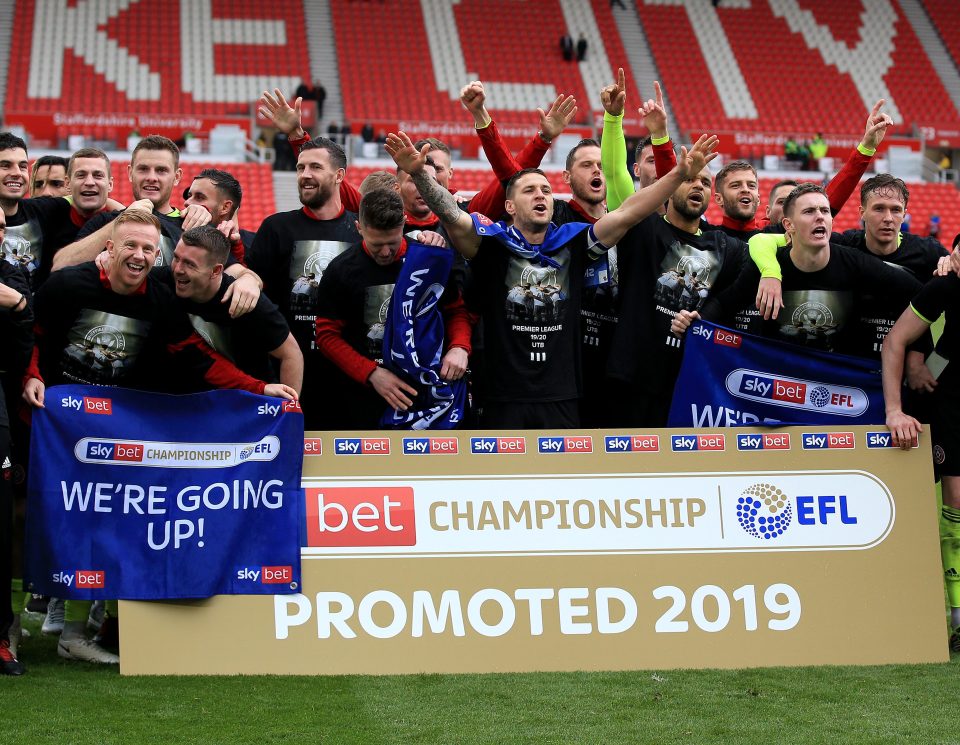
[(472, 552)]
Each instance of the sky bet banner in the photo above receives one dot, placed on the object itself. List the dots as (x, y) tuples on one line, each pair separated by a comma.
[(147, 496), (730, 379)]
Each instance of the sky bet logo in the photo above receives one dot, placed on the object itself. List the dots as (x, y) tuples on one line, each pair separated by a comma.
[(131, 452), (430, 446), (88, 404), (796, 394), (720, 336), (274, 409), (769, 441), (632, 443), (580, 444), (498, 445), (361, 446), (360, 516), (280, 575), (89, 579), (690, 443), (827, 440)]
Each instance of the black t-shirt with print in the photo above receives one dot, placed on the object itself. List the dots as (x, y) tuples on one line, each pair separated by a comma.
[(291, 252), (824, 309), (531, 313), (171, 228), (664, 270), (41, 226), (246, 340), (92, 335)]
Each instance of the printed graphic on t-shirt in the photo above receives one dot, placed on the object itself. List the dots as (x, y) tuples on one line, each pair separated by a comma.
[(687, 276), (217, 337), (376, 306), (537, 294), (23, 246), (309, 262), (814, 317), (537, 299), (165, 254), (600, 304), (103, 347)]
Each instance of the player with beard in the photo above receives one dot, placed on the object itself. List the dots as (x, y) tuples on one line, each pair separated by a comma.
[(354, 297), (667, 264), (528, 283), (49, 177), (778, 195), (489, 200), (823, 283), (291, 252), (220, 194), (736, 188), (119, 326)]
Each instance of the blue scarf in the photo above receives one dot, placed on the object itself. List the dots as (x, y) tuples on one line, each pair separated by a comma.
[(555, 239), (413, 342)]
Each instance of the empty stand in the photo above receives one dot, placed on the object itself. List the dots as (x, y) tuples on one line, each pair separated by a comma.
[(946, 18), (790, 84), (199, 58)]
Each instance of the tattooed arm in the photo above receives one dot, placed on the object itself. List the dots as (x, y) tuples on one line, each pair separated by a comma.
[(444, 205)]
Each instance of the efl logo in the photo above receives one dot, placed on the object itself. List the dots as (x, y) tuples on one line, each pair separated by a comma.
[(312, 446), (488, 445), (361, 516), (632, 444), (692, 442), (361, 446), (577, 444), (727, 338), (90, 578), (115, 451), (827, 441), (797, 394), (276, 575), (430, 446), (97, 405), (778, 441)]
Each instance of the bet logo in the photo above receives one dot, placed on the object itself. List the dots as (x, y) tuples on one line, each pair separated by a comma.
[(764, 511)]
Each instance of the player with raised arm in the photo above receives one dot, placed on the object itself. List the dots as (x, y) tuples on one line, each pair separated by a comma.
[(528, 282)]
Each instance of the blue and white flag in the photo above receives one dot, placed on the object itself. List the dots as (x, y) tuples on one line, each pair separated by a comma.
[(730, 379), (147, 496), (413, 342)]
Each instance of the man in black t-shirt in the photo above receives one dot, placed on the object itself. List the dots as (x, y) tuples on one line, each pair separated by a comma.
[(249, 340), (528, 280), (354, 300), (118, 327), (154, 171), (219, 193), (32, 224), (823, 284), (291, 251)]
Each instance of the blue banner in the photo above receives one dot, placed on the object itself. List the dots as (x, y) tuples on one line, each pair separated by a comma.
[(146, 496), (413, 342), (731, 379)]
